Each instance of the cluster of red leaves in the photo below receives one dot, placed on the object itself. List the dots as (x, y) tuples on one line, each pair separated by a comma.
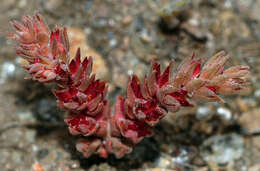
[(83, 96)]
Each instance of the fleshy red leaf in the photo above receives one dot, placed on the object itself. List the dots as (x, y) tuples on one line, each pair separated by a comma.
[(196, 70), (141, 128), (135, 85), (165, 77), (66, 95), (180, 96), (75, 63)]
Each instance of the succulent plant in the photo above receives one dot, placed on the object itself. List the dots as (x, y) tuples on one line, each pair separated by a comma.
[(104, 131)]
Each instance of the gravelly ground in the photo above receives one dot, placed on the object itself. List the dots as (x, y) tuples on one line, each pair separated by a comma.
[(125, 36)]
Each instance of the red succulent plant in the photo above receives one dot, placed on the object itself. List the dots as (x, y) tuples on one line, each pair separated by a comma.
[(84, 97)]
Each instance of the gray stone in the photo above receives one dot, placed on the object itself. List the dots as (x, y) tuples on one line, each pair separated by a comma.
[(222, 149)]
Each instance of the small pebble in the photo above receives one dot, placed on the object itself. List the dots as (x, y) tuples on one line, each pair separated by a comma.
[(228, 4), (145, 37), (127, 20), (6, 70), (223, 149), (203, 112), (25, 115), (257, 93), (22, 3), (53, 4), (225, 113), (163, 162), (35, 148), (42, 153), (113, 42), (182, 157)]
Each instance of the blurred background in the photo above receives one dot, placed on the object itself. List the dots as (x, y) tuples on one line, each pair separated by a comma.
[(124, 37)]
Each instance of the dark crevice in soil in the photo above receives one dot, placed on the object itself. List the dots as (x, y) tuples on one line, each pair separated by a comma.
[(164, 28)]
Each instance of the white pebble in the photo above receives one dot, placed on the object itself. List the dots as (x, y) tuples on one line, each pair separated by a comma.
[(225, 113), (7, 70), (202, 112), (257, 93)]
